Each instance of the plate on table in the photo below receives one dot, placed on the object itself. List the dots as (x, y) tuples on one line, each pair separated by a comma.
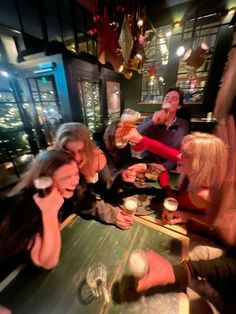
[(148, 204)]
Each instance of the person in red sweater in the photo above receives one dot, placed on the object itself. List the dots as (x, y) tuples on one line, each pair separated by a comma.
[(201, 162)]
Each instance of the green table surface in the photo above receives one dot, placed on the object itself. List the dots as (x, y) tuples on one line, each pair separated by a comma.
[(84, 242)]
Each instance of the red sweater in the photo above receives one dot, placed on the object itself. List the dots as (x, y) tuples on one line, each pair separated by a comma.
[(157, 148)]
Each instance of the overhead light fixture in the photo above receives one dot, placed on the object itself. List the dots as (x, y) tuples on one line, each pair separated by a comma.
[(177, 24), (193, 58), (231, 11), (180, 51), (203, 49)]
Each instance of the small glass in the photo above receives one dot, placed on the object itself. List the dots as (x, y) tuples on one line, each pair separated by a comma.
[(97, 280), (170, 205), (43, 185), (131, 205)]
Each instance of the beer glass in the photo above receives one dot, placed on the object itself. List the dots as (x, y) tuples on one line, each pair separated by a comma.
[(43, 185), (128, 120), (170, 205)]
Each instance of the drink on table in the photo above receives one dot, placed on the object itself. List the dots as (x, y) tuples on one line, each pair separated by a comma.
[(130, 205), (170, 205)]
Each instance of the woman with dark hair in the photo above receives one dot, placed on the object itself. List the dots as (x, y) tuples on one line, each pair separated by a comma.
[(29, 223)]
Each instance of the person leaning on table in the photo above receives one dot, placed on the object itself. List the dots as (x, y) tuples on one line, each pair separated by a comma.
[(75, 139), (29, 224)]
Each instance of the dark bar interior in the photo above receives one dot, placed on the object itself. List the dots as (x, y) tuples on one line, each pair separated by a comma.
[(128, 109)]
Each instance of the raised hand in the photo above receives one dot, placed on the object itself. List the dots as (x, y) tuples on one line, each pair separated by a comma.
[(52, 202), (160, 272), (160, 117)]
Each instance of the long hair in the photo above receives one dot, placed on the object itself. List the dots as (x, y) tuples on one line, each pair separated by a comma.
[(74, 131), (209, 158), (117, 154), (45, 164)]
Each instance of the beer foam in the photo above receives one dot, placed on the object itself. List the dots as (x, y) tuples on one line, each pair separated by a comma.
[(138, 263), (130, 204), (170, 204), (43, 182)]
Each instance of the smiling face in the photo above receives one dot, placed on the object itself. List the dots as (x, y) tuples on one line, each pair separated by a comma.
[(171, 101), (77, 149), (66, 178), (185, 160)]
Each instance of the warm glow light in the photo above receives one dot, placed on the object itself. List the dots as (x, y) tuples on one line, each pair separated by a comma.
[(231, 11), (180, 51), (177, 24), (140, 23), (4, 73), (168, 34)]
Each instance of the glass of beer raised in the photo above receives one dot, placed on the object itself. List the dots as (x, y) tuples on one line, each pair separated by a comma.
[(128, 120), (43, 185)]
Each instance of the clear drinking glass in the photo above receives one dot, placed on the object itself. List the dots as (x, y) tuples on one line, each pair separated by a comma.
[(131, 205), (128, 120), (43, 185), (97, 280), (170, 205)]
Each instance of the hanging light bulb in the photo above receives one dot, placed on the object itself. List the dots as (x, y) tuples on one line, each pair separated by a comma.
[(140, 23), (180, 51)]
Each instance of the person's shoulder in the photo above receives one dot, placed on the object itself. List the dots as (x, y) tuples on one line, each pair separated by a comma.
[(182, 122)]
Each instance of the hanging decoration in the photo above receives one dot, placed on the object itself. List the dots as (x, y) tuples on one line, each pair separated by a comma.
[(120, 31)]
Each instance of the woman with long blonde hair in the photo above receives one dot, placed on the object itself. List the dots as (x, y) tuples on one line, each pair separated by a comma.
[(202, 163)]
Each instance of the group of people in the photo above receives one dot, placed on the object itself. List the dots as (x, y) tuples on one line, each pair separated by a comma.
[(82, 175)]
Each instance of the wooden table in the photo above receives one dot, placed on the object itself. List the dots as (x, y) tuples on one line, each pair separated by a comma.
[(63, 290)]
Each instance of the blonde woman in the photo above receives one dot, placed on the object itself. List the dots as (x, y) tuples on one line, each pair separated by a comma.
[(74, 138), (201, 162)]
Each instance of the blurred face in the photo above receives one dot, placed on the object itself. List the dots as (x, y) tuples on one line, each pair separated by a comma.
[(76, 148), (66, 178), (171, 100), (118, 134), (185, 160)]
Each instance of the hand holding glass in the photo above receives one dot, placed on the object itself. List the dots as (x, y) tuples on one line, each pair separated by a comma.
[(127, 121), (170, 205)]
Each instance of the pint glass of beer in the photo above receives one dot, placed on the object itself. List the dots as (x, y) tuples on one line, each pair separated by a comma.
[(128, 120), (43, 185), (170, 205)]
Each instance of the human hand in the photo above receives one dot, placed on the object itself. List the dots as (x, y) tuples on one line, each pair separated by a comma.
[(160, 272), (50, 203), (129, 174), (171, 218), (133, 136), (160, 117), (164, 179), (123, 220)]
